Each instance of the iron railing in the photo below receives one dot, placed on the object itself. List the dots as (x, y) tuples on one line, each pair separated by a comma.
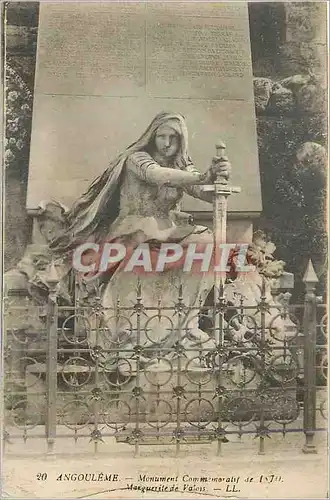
[(58, 383)]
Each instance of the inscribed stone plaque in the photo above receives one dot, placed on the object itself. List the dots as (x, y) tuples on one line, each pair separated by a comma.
[(202, 54), (104, 70), (102, 55)]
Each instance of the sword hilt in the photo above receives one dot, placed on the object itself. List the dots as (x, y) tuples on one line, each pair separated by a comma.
[(220, 152)]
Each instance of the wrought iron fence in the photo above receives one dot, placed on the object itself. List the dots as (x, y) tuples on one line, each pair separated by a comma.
[(247, 376)]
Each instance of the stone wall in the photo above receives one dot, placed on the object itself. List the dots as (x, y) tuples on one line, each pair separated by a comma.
[(288, 38), (289, 58)]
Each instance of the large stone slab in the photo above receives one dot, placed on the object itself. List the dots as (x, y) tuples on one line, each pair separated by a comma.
[(105, 69)]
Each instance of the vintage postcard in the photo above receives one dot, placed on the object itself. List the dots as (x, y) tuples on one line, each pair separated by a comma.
[(164, 300)]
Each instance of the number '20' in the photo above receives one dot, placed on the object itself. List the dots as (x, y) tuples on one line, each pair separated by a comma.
[(42, 476)]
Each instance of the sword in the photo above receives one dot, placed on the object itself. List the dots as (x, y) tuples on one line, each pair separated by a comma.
[(221, 191)]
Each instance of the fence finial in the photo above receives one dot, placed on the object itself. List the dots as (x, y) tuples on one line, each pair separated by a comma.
[(53, 277), (310, 274)]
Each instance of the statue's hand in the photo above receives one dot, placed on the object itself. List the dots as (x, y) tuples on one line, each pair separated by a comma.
[(220, 167)]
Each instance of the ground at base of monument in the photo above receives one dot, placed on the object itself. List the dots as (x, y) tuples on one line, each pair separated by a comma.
[(302, 476)]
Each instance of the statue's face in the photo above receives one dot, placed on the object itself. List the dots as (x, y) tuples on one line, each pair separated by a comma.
[(167, 141)]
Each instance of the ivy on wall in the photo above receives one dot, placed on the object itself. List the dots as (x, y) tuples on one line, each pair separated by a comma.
[(18, 112), (292, 134)]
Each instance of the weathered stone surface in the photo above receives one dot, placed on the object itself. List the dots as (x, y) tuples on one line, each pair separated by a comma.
[(15, 281), (17, 224), (288, 38), (305, 21), (312, 155), (282, 101), (306, 35), (284, 282), (302, 57), (311, 98), (22, 13), (295, 82), (24, 67), (314, 127), (262, 90), (20, 38)]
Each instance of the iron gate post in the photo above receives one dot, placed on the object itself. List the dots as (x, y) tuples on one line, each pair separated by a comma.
[(310, 324), (51, 363)]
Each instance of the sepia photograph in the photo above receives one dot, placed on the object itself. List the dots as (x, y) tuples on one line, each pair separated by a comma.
[(165, 249)]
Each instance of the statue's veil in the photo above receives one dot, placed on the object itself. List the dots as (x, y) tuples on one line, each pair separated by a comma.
[(94, 212)]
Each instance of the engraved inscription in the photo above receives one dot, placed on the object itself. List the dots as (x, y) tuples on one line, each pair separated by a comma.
[(113, 49), (222, 10), (197, 49)]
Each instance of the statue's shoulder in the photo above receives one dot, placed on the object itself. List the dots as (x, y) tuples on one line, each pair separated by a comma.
[(140, 158)]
